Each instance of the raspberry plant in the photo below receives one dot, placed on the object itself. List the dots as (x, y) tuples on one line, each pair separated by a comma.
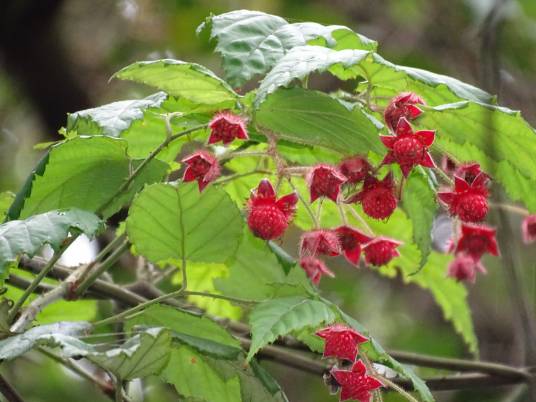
[(362, 174)]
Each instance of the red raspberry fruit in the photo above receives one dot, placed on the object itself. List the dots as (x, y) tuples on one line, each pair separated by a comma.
[(464, 268), (201, 166), (325, 181), (341, 341), (351, 242), (381, 251), (468, 201), (403, 105), (377, 197), (355, 168), (268, 217), (477, 240), (315, 268), (225, 127), (408, 148), (320, 242), (355, 383), (528, 228)]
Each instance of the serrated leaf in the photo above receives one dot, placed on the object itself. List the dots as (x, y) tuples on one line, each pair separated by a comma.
[(278, 317), (6, 199), (314, 118), (169, 222), (178, 78), (198, 332), (420, 205), (84, 173), (26, 237), (496, 137), (251, 42)]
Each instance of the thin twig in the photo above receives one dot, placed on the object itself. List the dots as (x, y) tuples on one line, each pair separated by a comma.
[(359, 218), (8, 391), (305, 204)]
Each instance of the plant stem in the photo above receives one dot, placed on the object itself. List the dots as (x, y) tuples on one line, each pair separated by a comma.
[(8, 391), (444, 176), (342, 214), (239, 154), (118, 390), (359, 218), (395, 387), (240, 175), (510, 208), (305, 204), (217, 296)]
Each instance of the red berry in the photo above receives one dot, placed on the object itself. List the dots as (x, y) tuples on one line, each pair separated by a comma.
[(528, 228), (472, 207), (403, 105), (201, 166), (268, 217), (468, 201), (355, 168), (464, 268), (225, 127), (320, 242), (351, 242), (477, 240), (377, 197), (408, 148), (356, 384), (325, 181), (381, 251), (315, 268), (341, 341)]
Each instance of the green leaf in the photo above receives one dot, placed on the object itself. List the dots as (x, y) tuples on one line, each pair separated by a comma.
[(278, 317), (474, 132), (169, 222), (6, 199), (84, 173), (178, 78), (28, 236), (251, 42), (314, 118), (420, 205), (198, 332)]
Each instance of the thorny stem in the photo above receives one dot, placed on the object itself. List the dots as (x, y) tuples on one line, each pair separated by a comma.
[(305, 204), (359, 218)]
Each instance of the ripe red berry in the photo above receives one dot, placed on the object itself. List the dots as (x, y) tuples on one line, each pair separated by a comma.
[(408, 148), (225, 127), (351, 241), (341, 341), (268, 217), (381, 251), (315, 268), (377, 197), (403, 105), (325, 181), (477, 240), (355, 168), (320, 242), (468, 201), (464, 268), (355, 383), (201, 166), (528, 228)]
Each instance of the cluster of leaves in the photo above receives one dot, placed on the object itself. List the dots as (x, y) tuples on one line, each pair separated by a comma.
[(123, 154)]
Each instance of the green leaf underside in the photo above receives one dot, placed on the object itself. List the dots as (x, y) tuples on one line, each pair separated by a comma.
[(252, 42), (498, 138), (420, 205), (26, 237), (198, 332), (97, 167), (178, 78), (314, 118), (167, 223), (278, 317)]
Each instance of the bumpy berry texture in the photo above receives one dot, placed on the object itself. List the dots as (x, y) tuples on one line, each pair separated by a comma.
[(325, 181), (225, 127), (341, 341), (355, 168), (381, 251), (377, 197), (315, 269), (465, 268), (476, 240), (351, 241), (320, 242), (269, 217), (468, 201), (408, 148), (528, 229), (201, 166), (355, 383), (403, 105)]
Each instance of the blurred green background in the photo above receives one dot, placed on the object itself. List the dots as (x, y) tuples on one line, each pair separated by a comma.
[(56, 56)]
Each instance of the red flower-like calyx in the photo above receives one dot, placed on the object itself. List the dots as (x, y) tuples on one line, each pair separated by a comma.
[(225, 127), (201, 166)]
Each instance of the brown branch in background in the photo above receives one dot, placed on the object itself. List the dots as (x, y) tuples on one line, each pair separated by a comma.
[(8, 391)]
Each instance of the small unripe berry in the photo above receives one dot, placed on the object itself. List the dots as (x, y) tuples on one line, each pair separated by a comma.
[(225, 127), (381, 251), (403, 105)]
